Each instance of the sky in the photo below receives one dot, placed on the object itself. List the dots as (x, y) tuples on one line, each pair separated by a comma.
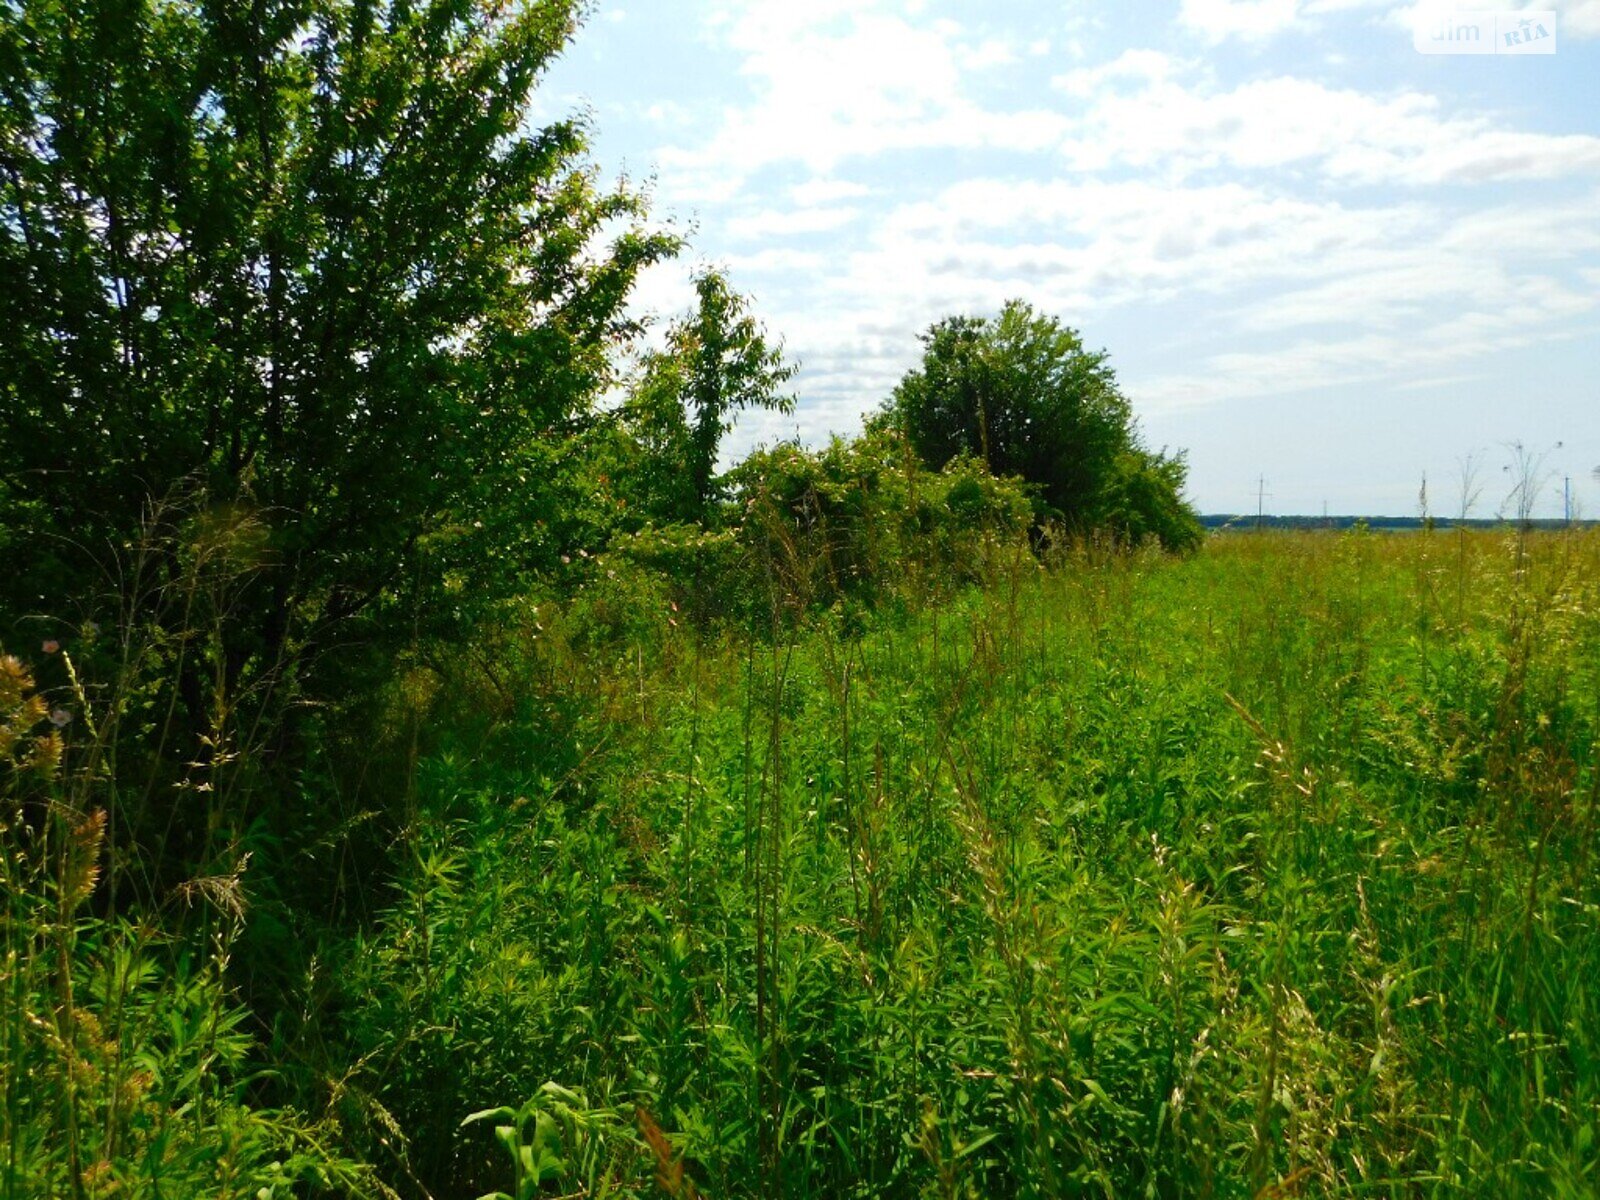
[(1315, 255)]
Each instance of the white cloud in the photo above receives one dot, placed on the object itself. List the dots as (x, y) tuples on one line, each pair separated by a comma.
[(1387, 292), (827, 191), (1439, 302), (785, 222), (1139, 66), (991, 52), (1575, 18), (835, 81), (1217, 20), (1363, 360), (663, 291), (1351, 137), (776, 260), (1119, 241)]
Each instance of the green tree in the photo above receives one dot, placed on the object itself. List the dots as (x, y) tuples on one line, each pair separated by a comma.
[(1020, 392), (717, 362), (1145, 499), (309, 259)]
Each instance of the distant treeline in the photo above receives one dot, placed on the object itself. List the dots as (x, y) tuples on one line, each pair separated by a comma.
[(1235, 521)]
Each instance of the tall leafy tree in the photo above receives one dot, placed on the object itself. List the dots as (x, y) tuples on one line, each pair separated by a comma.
[(717, 361), (1021, 392), (311, 259)]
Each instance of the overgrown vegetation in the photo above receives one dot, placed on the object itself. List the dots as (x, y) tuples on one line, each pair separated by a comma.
[(423, 771), (1270, 868), (1262, 872)]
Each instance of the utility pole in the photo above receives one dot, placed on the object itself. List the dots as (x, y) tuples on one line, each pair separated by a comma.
[(1261, 501), (1566, 498)]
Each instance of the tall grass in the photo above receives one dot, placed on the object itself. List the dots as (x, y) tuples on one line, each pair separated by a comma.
[(1264, 872), (129, 1066), (126, 1059)]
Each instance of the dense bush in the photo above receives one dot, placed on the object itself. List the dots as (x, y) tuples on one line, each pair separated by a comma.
[(864, 519), (1021, 393)]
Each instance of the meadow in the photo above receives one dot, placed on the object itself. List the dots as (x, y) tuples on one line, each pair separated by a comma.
[(1264, 871), (433, 766)]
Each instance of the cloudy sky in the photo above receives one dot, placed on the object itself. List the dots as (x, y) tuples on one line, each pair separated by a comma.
[(1314, 253)]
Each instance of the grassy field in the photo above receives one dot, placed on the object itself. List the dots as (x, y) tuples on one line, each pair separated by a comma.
[(1264, 872), (1261, 872)]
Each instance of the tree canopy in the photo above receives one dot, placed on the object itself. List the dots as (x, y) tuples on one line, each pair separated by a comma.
[(1020, 392), (309, 260)]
